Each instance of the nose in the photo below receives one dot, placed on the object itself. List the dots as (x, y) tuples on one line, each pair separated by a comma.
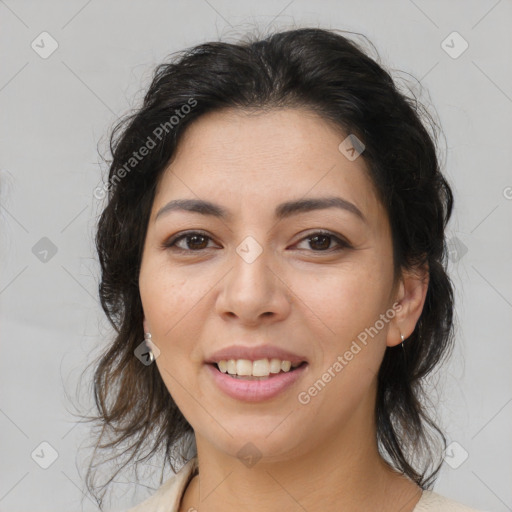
[(254, 292)]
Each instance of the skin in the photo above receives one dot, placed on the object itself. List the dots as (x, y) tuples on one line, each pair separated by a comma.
[(303, 296)]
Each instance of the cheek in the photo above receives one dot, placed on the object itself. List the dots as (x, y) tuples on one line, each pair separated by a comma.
[(172, 301), (340, 305), (167, 295), (342, 300)]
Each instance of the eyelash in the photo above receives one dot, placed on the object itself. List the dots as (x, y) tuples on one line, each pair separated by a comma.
[(171, 243)]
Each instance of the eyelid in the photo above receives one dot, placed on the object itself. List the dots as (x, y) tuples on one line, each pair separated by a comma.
[(170, 243), (342, 241)]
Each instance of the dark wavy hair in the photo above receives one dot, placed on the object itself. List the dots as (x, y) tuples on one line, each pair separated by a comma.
[(313, 69)]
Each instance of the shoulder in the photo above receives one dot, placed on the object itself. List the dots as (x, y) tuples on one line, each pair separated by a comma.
[(430, 501), (168, 496)]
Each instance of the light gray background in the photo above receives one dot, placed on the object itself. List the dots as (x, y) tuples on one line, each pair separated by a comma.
[(56, 110)]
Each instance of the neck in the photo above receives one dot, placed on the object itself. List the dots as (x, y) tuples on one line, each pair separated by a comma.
[(344, 469)]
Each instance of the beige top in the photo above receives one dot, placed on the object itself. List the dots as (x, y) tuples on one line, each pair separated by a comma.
[(167, 498)]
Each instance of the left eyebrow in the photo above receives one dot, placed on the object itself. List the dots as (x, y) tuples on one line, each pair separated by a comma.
[(289, 208), (284, 210)]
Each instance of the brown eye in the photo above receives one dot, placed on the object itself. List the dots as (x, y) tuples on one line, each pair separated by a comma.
[(190, 242), (321, 242)]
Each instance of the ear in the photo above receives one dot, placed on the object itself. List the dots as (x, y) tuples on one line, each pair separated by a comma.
[(410, 299)]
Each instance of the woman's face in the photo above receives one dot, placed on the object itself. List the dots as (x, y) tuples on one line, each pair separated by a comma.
[(261, 276)]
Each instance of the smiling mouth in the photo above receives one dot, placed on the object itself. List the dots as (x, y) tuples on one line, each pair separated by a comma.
[(252, 377)]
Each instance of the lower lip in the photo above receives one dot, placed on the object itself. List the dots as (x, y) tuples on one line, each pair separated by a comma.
[(255, 390)]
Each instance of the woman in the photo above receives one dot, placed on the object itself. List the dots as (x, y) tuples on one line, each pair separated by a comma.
[(275, 233)]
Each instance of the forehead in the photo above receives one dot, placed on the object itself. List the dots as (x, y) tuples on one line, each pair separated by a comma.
[(264, 157)]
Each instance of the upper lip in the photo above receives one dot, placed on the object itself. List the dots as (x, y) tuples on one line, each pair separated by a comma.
[(254, 353)]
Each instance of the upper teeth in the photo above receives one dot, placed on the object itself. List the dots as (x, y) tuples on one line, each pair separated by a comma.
[(258, 368)]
